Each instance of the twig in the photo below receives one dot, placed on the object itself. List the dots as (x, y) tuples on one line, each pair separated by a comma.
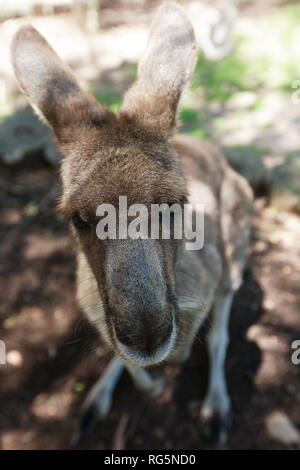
[(119, 440)]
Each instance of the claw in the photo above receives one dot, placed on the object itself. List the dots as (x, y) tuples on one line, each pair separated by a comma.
[(218, 423), (87, 422)]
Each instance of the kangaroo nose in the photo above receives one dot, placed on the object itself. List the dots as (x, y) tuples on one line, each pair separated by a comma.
[(123, 336), (144, 340)]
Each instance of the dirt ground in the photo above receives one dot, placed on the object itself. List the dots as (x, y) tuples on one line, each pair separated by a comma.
[(53, 356)]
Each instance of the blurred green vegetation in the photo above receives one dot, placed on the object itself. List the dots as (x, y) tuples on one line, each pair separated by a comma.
[(264, 63), (220, 80), (110, 98)]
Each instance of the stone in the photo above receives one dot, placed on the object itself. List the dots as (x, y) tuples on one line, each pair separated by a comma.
[(285, 184), (281, 429), (248, 161), (24, 133)]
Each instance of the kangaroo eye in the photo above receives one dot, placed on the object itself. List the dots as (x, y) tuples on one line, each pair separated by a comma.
[(79, 223), (184, 200)]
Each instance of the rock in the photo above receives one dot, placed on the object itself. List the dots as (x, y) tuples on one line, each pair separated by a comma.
[(275, 176), (285, 184), (280, 428), (248, 161), (24, 133)]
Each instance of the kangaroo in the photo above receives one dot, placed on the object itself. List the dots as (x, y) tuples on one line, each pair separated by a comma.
[(147, 298)]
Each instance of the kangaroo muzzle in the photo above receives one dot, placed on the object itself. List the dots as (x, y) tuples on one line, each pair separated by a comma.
[(141, 312)]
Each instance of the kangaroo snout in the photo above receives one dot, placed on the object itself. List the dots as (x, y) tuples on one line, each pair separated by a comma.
[(141, 311)]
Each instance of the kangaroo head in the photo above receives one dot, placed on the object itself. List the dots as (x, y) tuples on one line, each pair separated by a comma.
[(128, 154)]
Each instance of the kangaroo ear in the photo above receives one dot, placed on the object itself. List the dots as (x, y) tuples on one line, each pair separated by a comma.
[(163, 71), (52, 90)]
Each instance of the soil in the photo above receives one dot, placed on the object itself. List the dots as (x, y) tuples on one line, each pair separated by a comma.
[(54, 356)]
